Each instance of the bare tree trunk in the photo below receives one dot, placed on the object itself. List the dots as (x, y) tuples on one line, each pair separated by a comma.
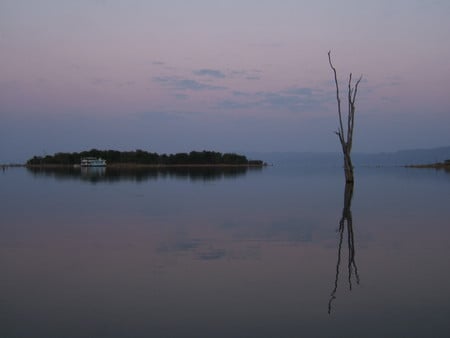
[(346, 136), (348, 167)]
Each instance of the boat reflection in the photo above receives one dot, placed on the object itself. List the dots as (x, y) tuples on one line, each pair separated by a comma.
[(93, 173), (140, 174), (346, 222)]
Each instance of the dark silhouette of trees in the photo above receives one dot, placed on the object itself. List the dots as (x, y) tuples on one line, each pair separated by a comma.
[(346, 135), (146, 158)]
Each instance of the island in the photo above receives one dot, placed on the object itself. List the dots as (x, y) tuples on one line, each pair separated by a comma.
[(142, 158), (439, 165)]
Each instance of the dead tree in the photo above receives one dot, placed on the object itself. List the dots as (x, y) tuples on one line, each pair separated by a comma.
[(346, 136)]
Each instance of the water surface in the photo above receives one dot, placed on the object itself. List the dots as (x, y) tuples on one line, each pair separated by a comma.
[(235, 253)]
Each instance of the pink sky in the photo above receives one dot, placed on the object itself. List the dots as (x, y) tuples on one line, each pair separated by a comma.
[(171, 76)]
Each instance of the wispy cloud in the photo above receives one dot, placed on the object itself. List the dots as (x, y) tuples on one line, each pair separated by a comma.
[(300, 92), (302, 99), (211, 254), (230, 104), (178, 83), (181, 96), (252, 77), (246, 74), (218, 74), (210, 72)]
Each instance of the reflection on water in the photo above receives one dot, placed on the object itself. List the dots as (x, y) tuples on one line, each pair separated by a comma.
[(346, 221), (139, 174), (247, 257)]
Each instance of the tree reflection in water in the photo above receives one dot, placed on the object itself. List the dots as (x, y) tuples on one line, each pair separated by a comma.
[(142, 173), (346, 221)]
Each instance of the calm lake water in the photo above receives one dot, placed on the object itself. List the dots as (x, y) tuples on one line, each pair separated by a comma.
[(257, 253)]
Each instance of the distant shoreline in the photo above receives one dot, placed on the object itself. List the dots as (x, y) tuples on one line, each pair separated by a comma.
[(439, 165)]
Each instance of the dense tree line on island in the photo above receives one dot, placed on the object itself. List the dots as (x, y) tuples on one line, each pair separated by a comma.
[(142, 157)]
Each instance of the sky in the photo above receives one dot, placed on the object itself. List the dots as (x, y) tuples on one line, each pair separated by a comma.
[(172, 76)]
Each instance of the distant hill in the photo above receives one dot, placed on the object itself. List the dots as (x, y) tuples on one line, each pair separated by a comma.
[(406, 157), (398, 158)]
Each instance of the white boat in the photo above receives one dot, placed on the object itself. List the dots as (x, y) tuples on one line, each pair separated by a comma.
[(92, 162)]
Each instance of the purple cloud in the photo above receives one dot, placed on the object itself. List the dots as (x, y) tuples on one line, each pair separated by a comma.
[(210, 72), (184, 84)]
